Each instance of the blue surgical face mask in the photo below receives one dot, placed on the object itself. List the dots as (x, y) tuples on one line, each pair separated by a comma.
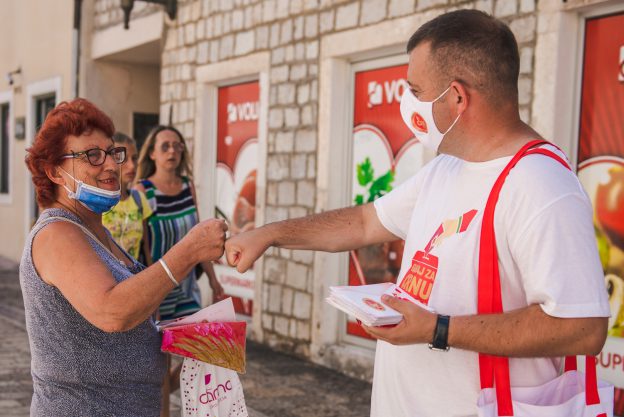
[(95, 199)]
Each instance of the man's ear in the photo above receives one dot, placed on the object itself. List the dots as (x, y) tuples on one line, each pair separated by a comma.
[(54, 175), (460, 94)]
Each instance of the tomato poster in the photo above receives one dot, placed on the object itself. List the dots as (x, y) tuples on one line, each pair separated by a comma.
[(601, 171), (237, 163), (385, 153)]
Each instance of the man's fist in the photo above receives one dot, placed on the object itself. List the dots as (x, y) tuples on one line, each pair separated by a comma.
[(243, 249)]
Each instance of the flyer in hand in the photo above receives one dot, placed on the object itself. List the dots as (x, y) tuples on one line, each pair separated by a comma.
[(211, 335), (364, 302)]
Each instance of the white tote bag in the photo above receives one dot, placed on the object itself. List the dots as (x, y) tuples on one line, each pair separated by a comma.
[(572, 394), (210, 391)]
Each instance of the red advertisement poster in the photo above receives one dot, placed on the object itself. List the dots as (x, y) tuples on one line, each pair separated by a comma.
[(385, 153), (237, 162), (601, 170)]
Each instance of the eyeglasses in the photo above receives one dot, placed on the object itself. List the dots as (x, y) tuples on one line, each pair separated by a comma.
[(177, 146), (97, 156)]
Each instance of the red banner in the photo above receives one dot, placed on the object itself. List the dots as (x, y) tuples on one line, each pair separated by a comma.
[(601, 171), (385, 154), (237, 162)]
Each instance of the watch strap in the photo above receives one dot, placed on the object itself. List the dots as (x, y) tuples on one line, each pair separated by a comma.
[(440, 334)]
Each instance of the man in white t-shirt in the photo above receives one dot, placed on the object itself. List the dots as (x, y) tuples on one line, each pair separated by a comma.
[(463, 102)]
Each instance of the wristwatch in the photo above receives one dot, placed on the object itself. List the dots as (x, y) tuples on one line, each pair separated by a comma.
[(440, 334)]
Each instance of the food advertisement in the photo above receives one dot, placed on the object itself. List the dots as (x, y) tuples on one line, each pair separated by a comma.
[(237, 163), (601, 171), (385, 153)]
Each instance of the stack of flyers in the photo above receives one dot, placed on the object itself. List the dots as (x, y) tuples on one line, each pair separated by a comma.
[(364, 303)]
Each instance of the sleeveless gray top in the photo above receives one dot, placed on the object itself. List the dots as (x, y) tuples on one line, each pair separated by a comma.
[(78, 369)]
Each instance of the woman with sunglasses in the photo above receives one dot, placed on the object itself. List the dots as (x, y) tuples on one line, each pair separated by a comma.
[(95, 348), (164, 172)]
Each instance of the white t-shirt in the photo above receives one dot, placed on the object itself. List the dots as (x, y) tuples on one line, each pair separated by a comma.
[(547, 256)]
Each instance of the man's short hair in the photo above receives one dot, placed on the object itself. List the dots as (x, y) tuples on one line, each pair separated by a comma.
[(473, 47)]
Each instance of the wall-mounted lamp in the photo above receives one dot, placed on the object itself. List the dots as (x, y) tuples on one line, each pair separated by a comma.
[(171, 6), (11, 74)]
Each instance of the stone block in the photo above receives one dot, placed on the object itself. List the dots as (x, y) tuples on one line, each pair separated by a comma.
[(298, 71), (272, 194), (400, 7), (306, 193), (245, 42), (286, 31), (526, 60), (287, 301), (268, 10), (296, 6), (303, 94), (286, 93), (200, 30), (292, 330), (214, 51), (308, 116), (347, 16), (286, 193), (296, 275), (284, 141), (282, 9), (523, 29), (486, 6), (238, 19), (298, 28), (294, 213), (312, 50), (277, 55), (303, 330), (291, 116), (525, 92), (303, 256), (196, 11), (276, 118), (505, 8), (311, 26), (310, 4), (299, 51), (226, 4), (227, 23), (302, 305), (305, 140), (267, 321), (249, 18), (280, 325), (527, 6), (326, 21), (289, 53), (298, 166), (275, 33), (227, 47), (276, 214), (425, 4), (217, 25), (279, 74), (278, 167), (275, 296), (262, 37), (373, 11)]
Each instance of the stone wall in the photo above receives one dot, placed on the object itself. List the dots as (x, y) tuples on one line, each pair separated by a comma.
[(211, 31)]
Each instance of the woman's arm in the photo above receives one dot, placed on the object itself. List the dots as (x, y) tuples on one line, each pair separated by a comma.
[(64, 258)]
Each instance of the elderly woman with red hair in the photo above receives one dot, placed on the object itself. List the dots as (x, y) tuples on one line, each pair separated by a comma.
[(95, 349)]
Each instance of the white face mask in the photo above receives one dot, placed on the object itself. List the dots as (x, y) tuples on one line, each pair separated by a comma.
[(418, 116)]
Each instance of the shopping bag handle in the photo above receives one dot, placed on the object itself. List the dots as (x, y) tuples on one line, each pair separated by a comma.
[(496, 368)]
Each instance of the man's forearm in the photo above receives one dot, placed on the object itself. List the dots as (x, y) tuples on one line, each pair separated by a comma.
[(528, 332), (331, 231)]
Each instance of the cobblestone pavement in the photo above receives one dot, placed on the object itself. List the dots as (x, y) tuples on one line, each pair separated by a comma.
[(275, 385)]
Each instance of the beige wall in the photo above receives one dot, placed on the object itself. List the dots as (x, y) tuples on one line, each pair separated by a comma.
[(120, 89), (36, 36)]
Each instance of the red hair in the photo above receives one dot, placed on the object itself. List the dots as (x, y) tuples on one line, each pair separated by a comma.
[(70, 118)]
